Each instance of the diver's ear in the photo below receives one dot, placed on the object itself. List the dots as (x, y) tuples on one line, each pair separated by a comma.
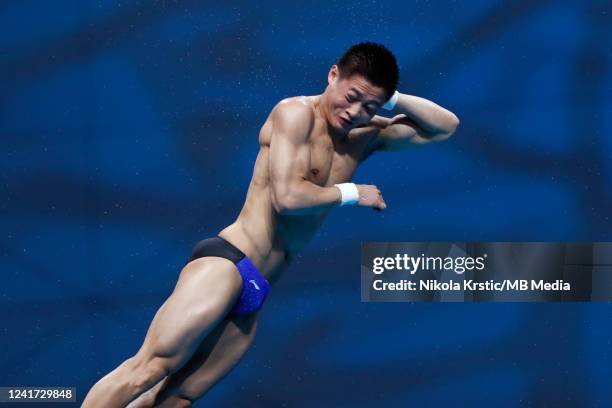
[(333, 74)]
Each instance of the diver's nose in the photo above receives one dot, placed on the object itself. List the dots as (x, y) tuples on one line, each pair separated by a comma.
[(352, 112)]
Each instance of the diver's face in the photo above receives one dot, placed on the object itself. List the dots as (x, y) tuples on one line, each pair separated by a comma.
[(353, 101)]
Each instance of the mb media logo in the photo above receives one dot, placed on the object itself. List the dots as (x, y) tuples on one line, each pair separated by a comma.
[(486, 271)]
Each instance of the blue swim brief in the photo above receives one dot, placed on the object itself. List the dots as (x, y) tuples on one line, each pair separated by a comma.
[(255, 287)]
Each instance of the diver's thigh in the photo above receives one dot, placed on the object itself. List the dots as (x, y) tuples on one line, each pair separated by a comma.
[(206, 291)]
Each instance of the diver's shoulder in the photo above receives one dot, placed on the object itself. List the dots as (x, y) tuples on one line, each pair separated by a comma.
[(294, 108), (296, 102)]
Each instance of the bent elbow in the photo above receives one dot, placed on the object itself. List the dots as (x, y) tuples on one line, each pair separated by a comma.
[(453, 124), (280, 208), (449, 130), (282, 202), (277, 203), (288, 198), (288, 205)]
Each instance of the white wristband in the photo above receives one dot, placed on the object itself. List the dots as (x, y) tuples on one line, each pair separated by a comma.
[(390, 104), (350, 193)]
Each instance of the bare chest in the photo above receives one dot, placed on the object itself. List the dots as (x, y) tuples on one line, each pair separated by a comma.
[(329, 165)]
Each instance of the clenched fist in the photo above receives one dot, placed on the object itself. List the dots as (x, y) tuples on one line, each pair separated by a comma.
[(370, 196)]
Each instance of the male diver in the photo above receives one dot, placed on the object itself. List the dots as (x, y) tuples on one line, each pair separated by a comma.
[(310, 147)]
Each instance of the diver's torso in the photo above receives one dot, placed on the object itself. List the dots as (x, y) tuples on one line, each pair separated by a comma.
[(269, 239)]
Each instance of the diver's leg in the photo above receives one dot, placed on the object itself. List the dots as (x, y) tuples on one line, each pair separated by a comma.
[(147, 398), (218, 354), (206, 290)]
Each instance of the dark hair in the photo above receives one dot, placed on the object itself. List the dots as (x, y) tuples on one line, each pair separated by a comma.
[(374, 61)]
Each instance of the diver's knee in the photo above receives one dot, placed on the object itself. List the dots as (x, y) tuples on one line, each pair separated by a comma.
[(148, 372)]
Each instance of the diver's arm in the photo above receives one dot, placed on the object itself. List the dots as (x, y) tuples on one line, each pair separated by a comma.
[(437, 121), (289, 161), (418, 121)]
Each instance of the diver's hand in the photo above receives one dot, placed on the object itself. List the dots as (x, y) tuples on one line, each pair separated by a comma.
[(370, 196), (382, 122)]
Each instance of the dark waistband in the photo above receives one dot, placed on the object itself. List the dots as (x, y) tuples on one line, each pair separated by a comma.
[(216, 246)]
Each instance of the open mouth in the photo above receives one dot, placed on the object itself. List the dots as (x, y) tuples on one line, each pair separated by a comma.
[(344, 121)]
